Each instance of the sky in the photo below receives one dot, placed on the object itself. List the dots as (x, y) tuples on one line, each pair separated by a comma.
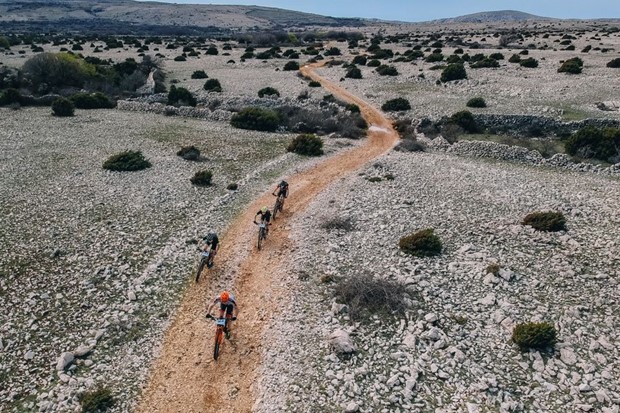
[(417, 10)]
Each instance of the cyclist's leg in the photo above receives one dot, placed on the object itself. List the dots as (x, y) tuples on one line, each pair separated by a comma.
[(229, 311)]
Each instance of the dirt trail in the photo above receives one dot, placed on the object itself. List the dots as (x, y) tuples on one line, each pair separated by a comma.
[(185, 378)]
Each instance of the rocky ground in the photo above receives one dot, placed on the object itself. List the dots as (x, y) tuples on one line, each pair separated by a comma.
[(452, 350), (94, 261)]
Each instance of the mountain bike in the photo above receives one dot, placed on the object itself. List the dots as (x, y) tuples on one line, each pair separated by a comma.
[(278, 206), (262, 232), (206, 258), (221, 331)]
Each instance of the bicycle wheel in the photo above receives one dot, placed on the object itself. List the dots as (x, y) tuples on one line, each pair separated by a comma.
[(200, 268), (275, 209), (218, 341), (260, 237)]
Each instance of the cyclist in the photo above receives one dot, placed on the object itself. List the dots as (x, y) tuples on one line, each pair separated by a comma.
[(282, 190), (227, 304), (265, 216), (211, 241)]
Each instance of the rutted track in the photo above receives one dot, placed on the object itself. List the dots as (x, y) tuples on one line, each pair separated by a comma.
[(185, 378)]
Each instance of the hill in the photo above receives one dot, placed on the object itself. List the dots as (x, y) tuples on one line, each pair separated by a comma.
[(494, 16), (132, 17)]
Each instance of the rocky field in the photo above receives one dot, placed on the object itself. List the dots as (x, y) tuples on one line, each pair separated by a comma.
[(452, 349)]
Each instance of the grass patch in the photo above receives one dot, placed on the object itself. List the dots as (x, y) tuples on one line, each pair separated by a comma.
[(99, 400), (366, 295)]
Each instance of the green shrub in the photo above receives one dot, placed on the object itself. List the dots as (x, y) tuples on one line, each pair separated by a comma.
[(232, 187), (292, 65), (529, 62), (534, 335), (62, 107), (200, 74), (572, 66), (476, 103), (212, 51), (180, 58), (598, 143), (360, 60), (255, 118), (189, 153), (268, 91), (496, 56), (454, 71), (434, 57), (545, 221), (454, 59), (95, 100), (314, 83), (306, 144), (485, 63), (212, 85), (423, 243), (354, 73), (397, 104), (202, 178), (465, 120), (614, 63), (57, 70), (352, 107), (97, 401), (373, 63), (179, 96), (515, 58), (127, 161), (493, 269), (11, 96), (385, 70), (366, 295)]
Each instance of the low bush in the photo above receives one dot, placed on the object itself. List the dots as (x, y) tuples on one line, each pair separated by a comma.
[(493, 269), (465, 120), (338, 224), (614, 63), (179, 96), (95, 100), (434, 57), (199, 74), (395, 105), (189, 153), (180, 58), (268, 91), (212, 85), (10, 97), (410, 145), (385, 70), (423, 243), (374, 63), (476, 103), (545, 221), (354, 73), (62, 107), (360, 60), (202, 178), (232, 187), (454, 71), (530, 62), (127, 161), (515, 58), (496, 56), (485, 63), (366, 295), (352, 107), (255, 118), (534, 336), (572, 66), (306, 144), (292, 65), (592, 142), (97, 401), (314, 83)]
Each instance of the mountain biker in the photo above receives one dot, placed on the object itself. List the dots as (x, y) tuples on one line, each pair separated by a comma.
[(212, 242), (281, 189), (227, 304), (265, 216)]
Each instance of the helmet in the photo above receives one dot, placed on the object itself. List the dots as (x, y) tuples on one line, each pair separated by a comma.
[(225, 296), (210, 237), (283, 183), (264, 209)]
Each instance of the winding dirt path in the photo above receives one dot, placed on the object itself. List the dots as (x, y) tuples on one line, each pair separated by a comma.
[(184, 378)]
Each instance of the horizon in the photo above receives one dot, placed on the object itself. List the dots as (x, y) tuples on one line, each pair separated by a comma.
[(418, 11)]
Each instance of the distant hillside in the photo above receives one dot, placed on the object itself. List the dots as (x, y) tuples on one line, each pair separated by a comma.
[(132, 17), (493, 17)]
